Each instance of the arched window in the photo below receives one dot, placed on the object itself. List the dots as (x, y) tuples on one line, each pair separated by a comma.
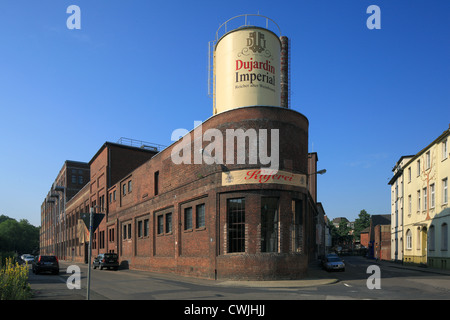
[(444, 237), (408, 239), (431, 242)]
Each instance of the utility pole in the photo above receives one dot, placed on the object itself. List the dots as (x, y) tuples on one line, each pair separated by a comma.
[(91, 222)]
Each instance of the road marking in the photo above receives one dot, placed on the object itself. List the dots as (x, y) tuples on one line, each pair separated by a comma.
[(347, 285)]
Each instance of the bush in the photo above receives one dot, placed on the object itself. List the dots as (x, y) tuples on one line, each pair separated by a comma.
[(14, 281)]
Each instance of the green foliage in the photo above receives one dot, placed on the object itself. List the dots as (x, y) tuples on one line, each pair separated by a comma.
[(21, 237), (361, 223), (14, 281)]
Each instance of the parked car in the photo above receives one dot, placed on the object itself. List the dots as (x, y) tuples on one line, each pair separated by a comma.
[(324, 258), (333, 262), (28, 258), (106, 260), (46, 264)]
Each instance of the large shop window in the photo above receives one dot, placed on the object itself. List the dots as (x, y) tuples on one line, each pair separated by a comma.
[(269, 225), (236, 225)]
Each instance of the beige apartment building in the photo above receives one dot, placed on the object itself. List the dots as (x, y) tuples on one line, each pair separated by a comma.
[(419, 206)]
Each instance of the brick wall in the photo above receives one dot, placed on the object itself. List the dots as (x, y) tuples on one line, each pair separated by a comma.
[(172, 245)]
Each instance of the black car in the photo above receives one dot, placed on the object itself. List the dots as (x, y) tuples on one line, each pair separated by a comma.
[(46, 264), (106, 260)]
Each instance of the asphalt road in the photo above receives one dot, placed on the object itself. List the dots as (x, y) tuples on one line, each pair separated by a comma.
[(394, 283)]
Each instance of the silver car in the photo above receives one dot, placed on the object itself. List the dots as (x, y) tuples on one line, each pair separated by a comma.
[(334, 263), (28, 258)]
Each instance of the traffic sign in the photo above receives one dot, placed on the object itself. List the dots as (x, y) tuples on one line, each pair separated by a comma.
[(96, 219)]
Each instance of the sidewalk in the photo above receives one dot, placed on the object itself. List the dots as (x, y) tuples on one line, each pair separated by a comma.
[(316, 276), (400, 265)]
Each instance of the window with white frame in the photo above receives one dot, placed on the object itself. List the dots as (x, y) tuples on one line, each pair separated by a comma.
[(408, 239), (432, 198), (428, 160), (424, 198), (445, 191), (418, 167)]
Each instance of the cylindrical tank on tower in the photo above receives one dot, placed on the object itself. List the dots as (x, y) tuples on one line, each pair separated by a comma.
[(247, 65)]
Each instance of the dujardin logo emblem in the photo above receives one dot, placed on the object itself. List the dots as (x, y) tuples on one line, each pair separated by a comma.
[(256, 45), (256, 42)]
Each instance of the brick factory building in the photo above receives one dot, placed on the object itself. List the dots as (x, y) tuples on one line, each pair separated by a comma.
[(221, 220)]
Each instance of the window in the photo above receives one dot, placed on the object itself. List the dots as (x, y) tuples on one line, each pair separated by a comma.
[(160, 224), (169, 223), (111, 235), (164, 223), (124, 189), (187, 218), (140, 233), (418, 200), (101, 237), (269, 225), (444, 237), (236, 225), (129, 186), (146, 228), (408, 239), (445, 190), (74, 179), (94, 241), (156, 183), (418, 167), (126, 231), (409, 174), (432, 198), (200, 216), (80, 180), (102, 202), (428, 160), (424, 198)]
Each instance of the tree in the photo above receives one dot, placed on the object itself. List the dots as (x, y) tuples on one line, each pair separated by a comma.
[(21, 237), (344, 236), (333, 232), (362, 222)]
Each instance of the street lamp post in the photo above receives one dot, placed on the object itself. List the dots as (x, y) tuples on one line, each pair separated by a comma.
[(63, 190), (52, 236)]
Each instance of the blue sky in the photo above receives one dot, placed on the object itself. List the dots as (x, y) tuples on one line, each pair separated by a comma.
[(138, 69)]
